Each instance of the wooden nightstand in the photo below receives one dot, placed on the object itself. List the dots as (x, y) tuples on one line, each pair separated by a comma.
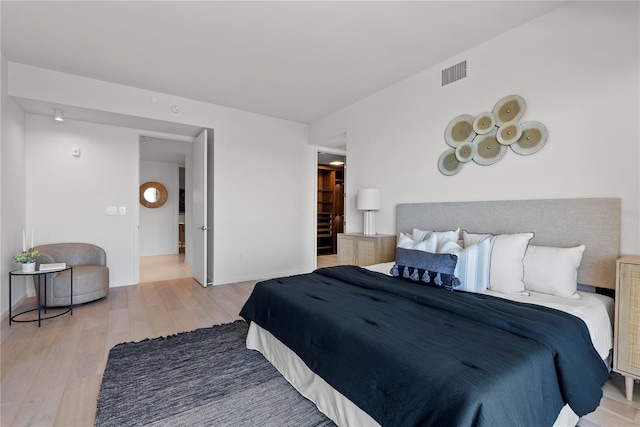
[(626, 341), (358, 249)]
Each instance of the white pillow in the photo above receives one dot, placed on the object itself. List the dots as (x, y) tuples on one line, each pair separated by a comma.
[(507, 269), (419, 235), (473, 238), (551, 270), (473, 266), (407, 241)]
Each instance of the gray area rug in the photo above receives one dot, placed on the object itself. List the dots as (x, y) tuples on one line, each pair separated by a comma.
[(202, 378)]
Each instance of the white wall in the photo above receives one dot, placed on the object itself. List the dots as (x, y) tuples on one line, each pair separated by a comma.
[(263, 171), (330, 131), (12, 204), (67, 196), (264, 204), (159, 226), (578, 71)]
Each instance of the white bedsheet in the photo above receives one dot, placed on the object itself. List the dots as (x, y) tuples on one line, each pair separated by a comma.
[(594, 309)]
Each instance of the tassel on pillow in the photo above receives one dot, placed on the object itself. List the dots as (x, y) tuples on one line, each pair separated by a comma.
[(394, 271), (405, 273), (438, 280)]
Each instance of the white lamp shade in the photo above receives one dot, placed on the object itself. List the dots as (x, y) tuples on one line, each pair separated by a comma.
[(368, 199)]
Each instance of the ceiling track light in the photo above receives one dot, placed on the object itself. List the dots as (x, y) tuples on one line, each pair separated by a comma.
[(58, 115)]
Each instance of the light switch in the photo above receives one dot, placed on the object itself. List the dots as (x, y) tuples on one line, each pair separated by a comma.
[(122, 210), (111, 210)]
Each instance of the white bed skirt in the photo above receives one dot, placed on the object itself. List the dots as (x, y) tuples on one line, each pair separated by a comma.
[(329, 401)]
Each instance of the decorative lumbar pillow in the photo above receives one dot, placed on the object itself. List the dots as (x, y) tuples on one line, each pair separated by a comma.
[(426, 267), (507, 269), (473, 266), (551, 270), (419, 235), (407, 241)]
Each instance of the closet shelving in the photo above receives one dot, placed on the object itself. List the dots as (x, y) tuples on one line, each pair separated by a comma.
[(330, 209)]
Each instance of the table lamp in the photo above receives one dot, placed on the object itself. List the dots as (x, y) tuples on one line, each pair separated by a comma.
[(368, 201)]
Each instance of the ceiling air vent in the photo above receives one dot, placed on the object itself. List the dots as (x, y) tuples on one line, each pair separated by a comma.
[(454, 73)]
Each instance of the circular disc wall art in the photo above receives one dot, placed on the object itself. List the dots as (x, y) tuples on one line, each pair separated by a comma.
[(509, 109), (448, 163), (459, 130), (484, 123), (489, 150), (533, 138), (466, 151), (486, 137), (509, 133)]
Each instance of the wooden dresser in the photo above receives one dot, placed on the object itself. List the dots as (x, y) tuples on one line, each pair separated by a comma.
[(358, 249), (626, 341)]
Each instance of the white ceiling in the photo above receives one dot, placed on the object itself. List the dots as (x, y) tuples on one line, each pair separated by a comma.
[(293, 60)]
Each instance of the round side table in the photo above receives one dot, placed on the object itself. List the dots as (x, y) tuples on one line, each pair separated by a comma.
[(39, 275)]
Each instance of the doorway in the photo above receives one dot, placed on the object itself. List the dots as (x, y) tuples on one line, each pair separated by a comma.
[(162, 238), (330, 198), (170, 152)]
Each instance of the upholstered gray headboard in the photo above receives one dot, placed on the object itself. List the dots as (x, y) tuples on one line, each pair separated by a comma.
[(594, 223)]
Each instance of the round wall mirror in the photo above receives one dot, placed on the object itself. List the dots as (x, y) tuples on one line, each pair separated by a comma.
[(153, 194)]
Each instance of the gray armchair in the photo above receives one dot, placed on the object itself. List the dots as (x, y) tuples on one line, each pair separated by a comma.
[(90, 273)]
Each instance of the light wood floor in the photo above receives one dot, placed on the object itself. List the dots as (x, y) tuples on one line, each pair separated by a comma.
[(327, 260), (51, 375), (163, 267)]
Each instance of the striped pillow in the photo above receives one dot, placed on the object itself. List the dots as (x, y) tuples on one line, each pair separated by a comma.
[(474, 264), (406, 241)]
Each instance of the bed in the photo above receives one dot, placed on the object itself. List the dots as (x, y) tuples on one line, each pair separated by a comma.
[(370, 349)]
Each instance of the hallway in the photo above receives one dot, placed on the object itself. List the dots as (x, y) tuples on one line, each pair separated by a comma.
[(163, 267)]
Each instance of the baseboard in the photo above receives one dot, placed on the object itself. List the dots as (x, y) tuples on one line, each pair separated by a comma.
[(226, 281), (5, 314)]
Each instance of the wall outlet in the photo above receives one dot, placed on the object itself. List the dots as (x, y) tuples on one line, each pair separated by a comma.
[(122, 210), (111, 210), (75, 151)]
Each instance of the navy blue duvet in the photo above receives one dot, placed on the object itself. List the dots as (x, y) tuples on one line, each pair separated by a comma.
[(414, 355)]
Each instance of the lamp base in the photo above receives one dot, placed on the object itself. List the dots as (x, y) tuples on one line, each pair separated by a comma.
[(369, 223)]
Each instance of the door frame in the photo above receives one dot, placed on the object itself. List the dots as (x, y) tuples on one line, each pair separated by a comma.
[(136, 211)]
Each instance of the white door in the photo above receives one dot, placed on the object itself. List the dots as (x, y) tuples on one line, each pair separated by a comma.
[(199, 179)]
